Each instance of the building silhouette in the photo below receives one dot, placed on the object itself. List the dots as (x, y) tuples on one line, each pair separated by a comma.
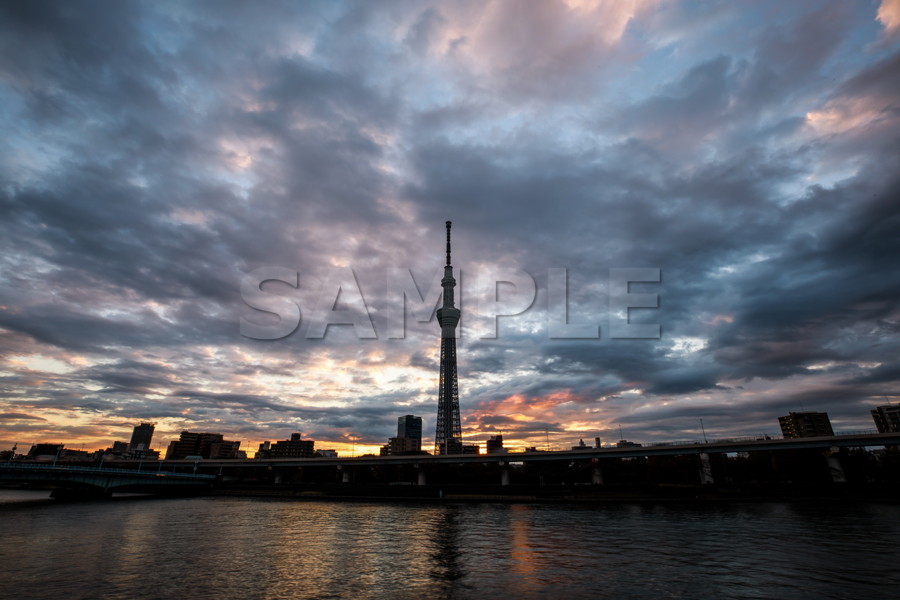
[(53, 452), (141, 437), (805, 424), (401, 445), (45, 451), (292, 448), (409, 426), (448, 432), (495, 445), (887, 418), (409, 437), (204, 445)]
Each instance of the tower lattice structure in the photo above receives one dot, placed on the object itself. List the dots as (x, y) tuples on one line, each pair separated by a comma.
[(448, 436)]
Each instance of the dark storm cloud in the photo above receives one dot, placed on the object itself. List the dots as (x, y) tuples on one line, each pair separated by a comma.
[(239, 402), (790, 56), (684, 380), (888, 373), (420, 359), (813, 291), (20, 416), (876, 81), (156, 153), (130, 377)]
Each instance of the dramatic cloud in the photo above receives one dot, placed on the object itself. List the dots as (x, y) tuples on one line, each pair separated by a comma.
[(157, 155)]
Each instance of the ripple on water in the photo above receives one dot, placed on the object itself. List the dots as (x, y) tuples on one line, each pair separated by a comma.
[(243, 548)]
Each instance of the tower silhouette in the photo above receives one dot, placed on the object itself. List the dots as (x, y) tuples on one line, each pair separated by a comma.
[(448, 437)]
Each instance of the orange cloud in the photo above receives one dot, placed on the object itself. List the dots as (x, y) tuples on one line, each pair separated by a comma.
[(889, 16), (522, 407)]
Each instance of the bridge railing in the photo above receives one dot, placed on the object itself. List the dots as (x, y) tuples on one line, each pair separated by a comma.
[(746, 438), (101, 470), (676, 443)]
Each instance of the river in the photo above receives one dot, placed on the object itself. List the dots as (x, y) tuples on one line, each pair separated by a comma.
[(221, 548)]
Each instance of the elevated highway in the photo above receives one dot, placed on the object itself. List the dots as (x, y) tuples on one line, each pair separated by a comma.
[(185, 476), (666, 449)]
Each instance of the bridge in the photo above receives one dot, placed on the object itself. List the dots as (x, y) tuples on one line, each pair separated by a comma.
[(727, 446), (72, 481), (828, 445), (182, 476)]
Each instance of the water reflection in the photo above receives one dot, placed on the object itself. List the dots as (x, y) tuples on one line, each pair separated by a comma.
[(445, 550), (241, 548), (521, 553)]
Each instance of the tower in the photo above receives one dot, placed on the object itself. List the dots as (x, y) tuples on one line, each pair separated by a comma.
[(448, 436)]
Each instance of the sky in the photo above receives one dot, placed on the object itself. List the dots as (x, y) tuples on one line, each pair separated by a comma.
[(170, 169)]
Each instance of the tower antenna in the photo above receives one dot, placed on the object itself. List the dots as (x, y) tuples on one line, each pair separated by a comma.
[(449, 223)]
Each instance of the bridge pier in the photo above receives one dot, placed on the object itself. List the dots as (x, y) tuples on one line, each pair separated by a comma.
[(706, 476), (833, 458), (596, 474), (421, 479), (504, 473)]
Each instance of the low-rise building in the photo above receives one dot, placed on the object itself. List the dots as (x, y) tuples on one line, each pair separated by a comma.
[(495, 445), (206, 445), (401, 445), (296, 447)]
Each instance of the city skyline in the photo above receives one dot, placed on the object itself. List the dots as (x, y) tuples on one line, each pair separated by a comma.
[(884, 419), (157, 154)]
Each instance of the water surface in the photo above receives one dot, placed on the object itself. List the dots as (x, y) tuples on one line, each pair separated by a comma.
[(247, 548)]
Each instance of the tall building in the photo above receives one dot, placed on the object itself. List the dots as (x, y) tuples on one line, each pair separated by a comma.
[(448, 434), (141, 437), (805, 424), (409, 437), (409, 426), (887, 418)]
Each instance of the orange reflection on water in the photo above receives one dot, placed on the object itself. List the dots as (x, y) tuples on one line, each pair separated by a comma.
[(524, 561)]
